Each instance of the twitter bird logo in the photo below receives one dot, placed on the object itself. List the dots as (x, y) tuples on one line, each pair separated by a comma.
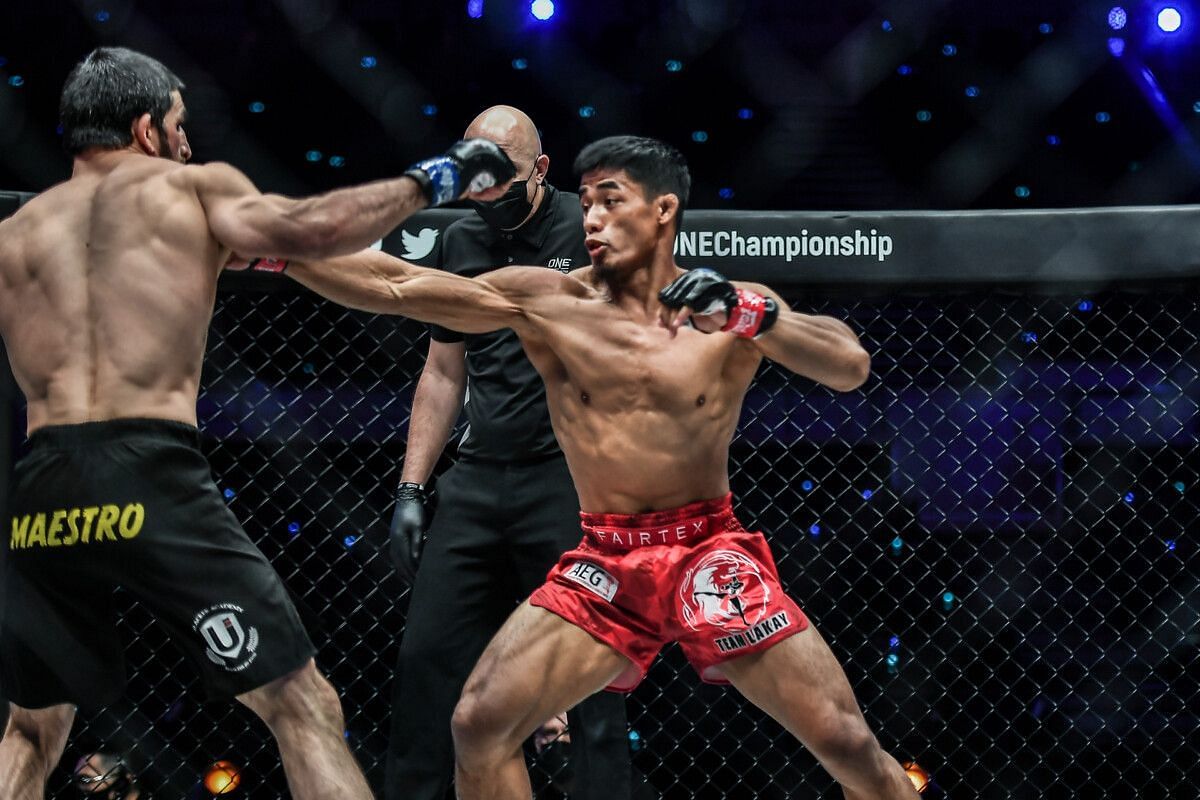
[(418, 246)]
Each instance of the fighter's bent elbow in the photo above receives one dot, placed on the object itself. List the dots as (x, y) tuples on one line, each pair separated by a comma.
[(856, 368)]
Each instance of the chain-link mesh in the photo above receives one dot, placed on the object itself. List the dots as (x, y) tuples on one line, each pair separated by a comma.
[(997, 536)]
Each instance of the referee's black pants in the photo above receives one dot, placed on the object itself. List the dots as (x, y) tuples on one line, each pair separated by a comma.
[(498, 530)]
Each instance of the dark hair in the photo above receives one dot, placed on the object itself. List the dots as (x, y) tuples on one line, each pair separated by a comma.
[(657, 166), (106, 92)]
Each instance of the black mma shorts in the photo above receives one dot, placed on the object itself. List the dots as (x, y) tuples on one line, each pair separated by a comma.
[(132, 503)]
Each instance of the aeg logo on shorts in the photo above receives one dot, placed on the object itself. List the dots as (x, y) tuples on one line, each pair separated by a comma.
[(594, 579), (229, 644)]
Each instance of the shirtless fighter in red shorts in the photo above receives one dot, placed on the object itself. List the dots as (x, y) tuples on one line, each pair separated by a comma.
[(644, 407)]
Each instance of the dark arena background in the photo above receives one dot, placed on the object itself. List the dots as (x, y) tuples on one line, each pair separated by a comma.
[(998, 534)]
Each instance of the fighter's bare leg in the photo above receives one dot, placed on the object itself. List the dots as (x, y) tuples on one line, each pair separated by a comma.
[(304, 714), (537, 665), (800, 683), (33, 743)]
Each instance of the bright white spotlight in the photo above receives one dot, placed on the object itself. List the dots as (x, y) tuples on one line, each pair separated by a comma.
[(542, 9), (1169, 19)]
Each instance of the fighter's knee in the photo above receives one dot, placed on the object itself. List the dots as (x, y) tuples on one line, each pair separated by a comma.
[(42, 731), (474, 725), (846, 739), (303, 695)]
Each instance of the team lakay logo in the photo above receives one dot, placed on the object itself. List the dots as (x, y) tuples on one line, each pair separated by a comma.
[(419, 245), (229, 644), (724, 588)]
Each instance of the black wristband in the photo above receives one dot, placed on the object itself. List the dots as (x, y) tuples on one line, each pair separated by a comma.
[(770, 314), (407, 490)]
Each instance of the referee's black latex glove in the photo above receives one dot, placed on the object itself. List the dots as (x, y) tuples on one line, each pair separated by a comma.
[(406, 536)]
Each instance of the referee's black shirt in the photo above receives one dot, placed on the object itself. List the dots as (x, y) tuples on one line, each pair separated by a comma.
[(506, 400)]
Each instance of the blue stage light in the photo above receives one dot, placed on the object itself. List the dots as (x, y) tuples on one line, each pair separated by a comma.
[(1196, 106), (748, 113), (350, 541), (1169, 20), (257, 107), (228, 494), (1029, 337), (904, 69), (102, 16), (814, 530), (1129, 497), (897, 546), (949, 49), (948, 600), (725, 193), (807, 486), (867, 493), (293, 528), (674, 65), (1179, 486), (337, 161), (635, 741), (1045, 28), (368, 62), (542, 9), (587, 112), (971, 91), (1171, 545), (429, 110), (1103, 117), (1053, 140), (1116, 46), (1117, 18), (1085, 305), (894, 642), (699, 136), (1021, 192), (312, 155), (893, 663), (16, 81), (474, 9), (520, 63), (887, 25), (924, 116)]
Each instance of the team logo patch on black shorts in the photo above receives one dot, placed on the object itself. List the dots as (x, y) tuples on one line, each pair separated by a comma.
[(229, 644)]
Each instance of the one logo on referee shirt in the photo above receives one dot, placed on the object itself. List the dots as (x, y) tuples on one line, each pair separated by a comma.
[(594, 579), (229, 644)]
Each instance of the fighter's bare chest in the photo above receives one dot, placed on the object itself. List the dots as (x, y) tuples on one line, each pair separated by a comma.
[(645, 366)]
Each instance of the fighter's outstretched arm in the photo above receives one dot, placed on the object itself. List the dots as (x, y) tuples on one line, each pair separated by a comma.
[(345, 220), (375, 281), (335, 223)]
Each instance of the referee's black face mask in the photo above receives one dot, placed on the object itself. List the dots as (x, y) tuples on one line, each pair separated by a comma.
[(511, 209)]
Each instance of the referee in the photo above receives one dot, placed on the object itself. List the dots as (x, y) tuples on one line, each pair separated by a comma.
[(506, 510)]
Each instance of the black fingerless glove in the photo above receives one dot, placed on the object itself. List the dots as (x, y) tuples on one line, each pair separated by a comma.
[(706, 291)]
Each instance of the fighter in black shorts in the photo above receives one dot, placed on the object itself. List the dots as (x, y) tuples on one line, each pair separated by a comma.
[(107, 284)]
